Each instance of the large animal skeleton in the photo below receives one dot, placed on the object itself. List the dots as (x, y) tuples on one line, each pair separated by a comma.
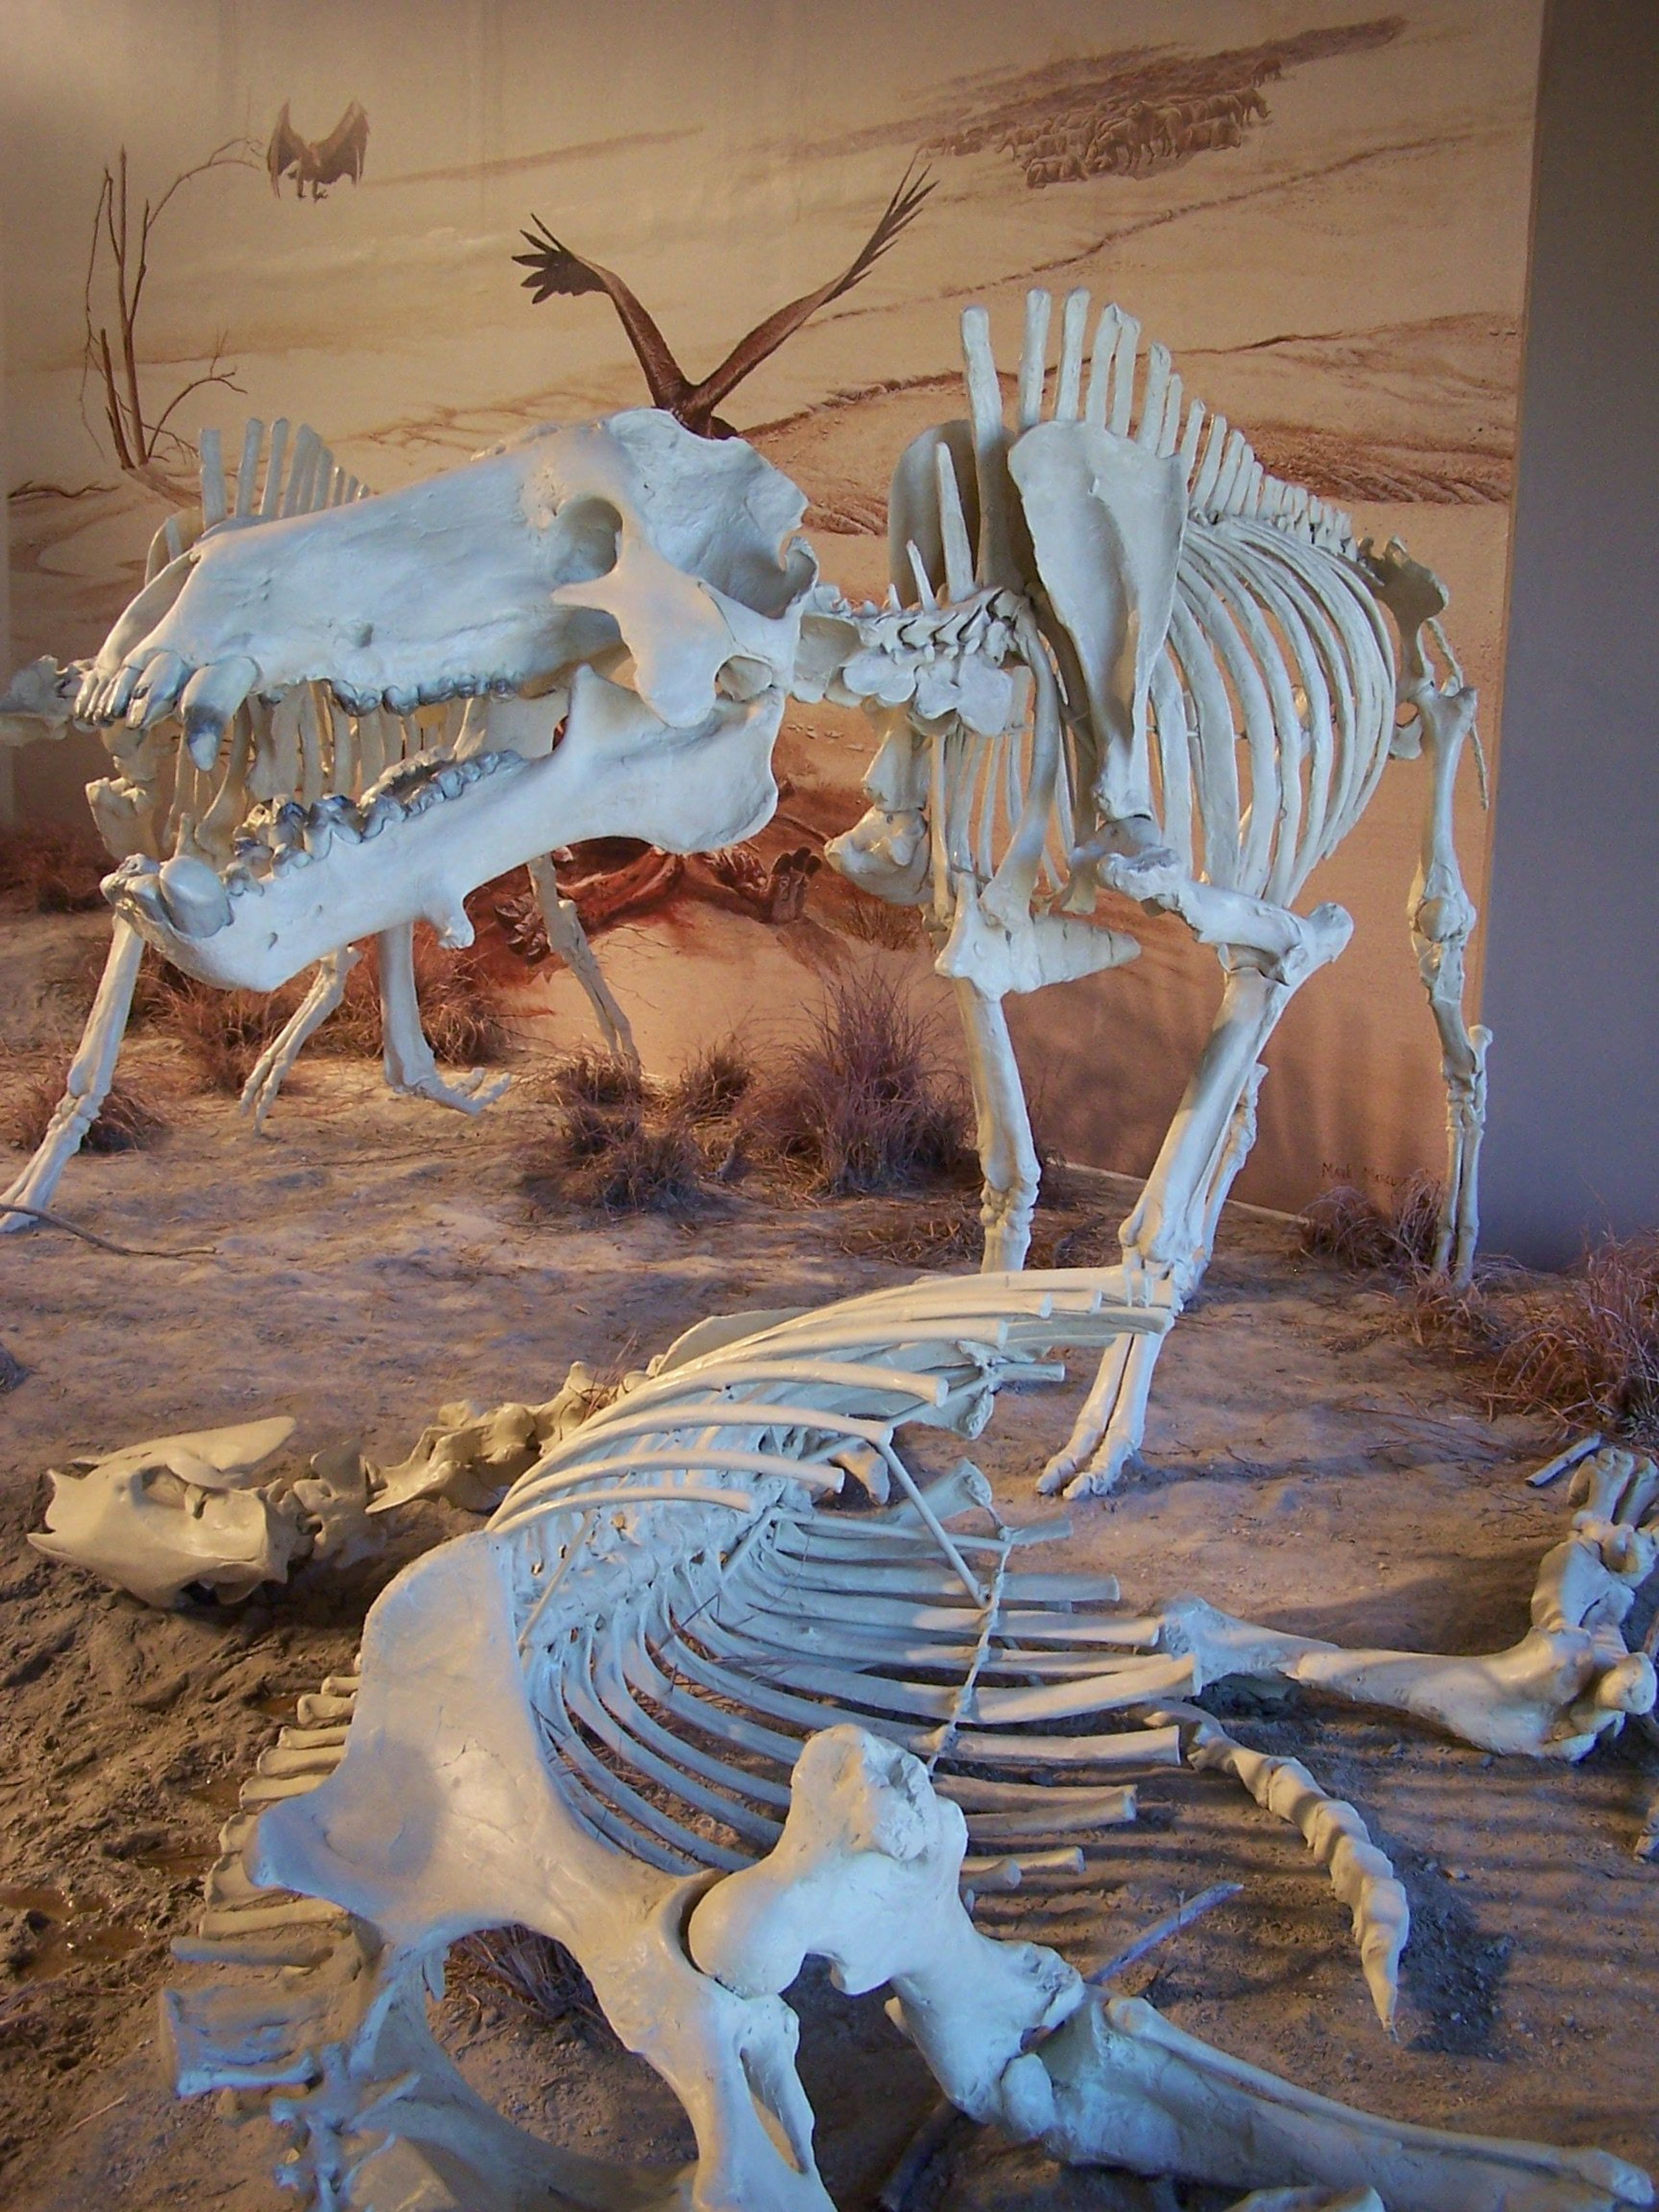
[(1214, 699), (1137, 668), (671, 1710)]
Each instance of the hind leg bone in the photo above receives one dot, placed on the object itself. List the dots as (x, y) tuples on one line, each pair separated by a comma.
[(271, 1070), (411, 1069)]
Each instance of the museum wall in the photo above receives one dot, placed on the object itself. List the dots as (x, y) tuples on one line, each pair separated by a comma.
[(1572, 987), (1333, 240)]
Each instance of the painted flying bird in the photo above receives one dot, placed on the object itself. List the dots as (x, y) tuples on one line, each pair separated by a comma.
[(553, 267), (342, 153)]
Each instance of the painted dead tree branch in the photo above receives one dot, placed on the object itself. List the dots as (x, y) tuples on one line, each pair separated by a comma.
[(122, 243)]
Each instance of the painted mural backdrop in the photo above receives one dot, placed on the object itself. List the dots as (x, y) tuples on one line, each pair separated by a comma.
[(312, 211)]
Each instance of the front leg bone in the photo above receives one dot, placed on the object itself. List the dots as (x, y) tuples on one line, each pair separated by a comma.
[(87, 1085), (1567, 1682), (271, 1070)]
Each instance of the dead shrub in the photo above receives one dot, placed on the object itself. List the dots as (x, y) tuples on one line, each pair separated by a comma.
[(855, 1106), (713, 1084), (622, 1145), (595, 1078), (1584, 1346), (877, 921), (1346, 1225), (224, 1032), (124, 1123), (52, 867)]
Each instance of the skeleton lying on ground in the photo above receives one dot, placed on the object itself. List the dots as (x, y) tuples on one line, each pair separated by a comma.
[(1156, 674), (592, 1716)]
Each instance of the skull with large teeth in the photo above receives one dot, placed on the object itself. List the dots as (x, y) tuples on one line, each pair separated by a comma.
[(622, 598)]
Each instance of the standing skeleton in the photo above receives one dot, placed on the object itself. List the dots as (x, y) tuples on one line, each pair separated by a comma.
[(1156, 671), (283, 756), (1213, 699)]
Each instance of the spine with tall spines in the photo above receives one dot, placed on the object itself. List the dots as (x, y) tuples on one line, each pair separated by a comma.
[(297, 483), (1361, 1874), (1225, 479)]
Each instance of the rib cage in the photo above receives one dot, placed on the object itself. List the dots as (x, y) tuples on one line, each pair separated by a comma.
[(1272, 702), (676, 1707), (686, 1614)]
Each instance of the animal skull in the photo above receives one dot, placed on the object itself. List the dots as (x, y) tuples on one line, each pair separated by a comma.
[(156, 1517), (621, 599), (177, 1513)]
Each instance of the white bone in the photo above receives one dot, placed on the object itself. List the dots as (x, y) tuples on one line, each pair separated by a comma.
[(641, 598), (154, 1519), (1069, 377), (1034, 357)]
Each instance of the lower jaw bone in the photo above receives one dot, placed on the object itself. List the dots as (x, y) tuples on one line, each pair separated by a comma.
[(618, 770)]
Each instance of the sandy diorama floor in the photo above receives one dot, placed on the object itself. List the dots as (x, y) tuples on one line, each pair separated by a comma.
[(1307, 1464)]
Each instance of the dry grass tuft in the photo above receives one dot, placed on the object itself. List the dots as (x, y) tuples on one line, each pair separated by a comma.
[(593, 1079), (124, 1122), (622, 1145), (534, 1971), (1585, 1346), (874, 920), (712, 1087), (224, 1032), (855, 1106), (1582, 1347), (1346, 1225), (52, 867)]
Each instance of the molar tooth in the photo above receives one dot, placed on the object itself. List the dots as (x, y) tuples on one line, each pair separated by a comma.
[(450, 780), (397, 701), (211, 698), (196, 902)]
